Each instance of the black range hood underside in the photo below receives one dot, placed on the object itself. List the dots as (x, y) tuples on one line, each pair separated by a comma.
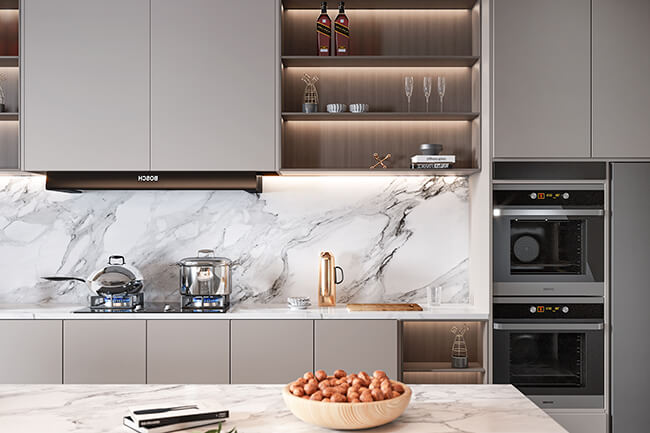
[(163, 180)]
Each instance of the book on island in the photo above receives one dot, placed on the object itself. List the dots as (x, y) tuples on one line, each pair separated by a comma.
[(172, 417), (430, 159)]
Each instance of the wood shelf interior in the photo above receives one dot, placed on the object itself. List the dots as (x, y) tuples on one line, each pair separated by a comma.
[(8, 30), (386, 32), (9, 80), (351, 144), (385, 4), (426, 352)]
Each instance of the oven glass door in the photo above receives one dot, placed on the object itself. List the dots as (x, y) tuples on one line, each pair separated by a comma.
[(544, 255), (569, 362), (547, 246)]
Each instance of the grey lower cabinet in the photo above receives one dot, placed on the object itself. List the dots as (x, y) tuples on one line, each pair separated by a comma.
[(355, 345), (104, 351), (31, 351), (188, 351), (270, 351), (213, 104), (541, 78), (621, 91), (86, 85)]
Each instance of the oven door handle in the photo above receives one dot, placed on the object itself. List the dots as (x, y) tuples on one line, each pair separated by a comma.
[(549, 212), (549, 326)]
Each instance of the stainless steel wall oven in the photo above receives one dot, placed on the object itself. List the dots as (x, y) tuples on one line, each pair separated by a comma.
[(549, 240), (552, 349)]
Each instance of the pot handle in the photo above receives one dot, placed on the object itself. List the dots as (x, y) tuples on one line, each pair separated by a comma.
[(205, 253), (111, 258), (64, 279)]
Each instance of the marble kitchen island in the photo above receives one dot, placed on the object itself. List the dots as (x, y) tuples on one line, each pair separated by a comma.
[(260, 408)]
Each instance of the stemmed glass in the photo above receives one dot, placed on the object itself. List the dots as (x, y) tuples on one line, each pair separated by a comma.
[(442, 86), (427, 90), (408, 89)]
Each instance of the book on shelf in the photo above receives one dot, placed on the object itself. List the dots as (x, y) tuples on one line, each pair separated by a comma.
[(172, 417), (431, 165), (423, 159)]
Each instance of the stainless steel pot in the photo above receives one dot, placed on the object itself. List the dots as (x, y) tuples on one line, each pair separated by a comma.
[(205, 275), (116, 278)]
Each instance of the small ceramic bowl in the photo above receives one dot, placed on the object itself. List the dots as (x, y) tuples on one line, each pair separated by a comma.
[(299, 301), (336, 108), (359, 108)]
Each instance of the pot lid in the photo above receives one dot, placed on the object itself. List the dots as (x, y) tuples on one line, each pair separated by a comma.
[(205, 258)]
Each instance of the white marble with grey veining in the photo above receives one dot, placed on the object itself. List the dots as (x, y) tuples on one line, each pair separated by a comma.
[(260, 408), (247, 311), (394, 236)]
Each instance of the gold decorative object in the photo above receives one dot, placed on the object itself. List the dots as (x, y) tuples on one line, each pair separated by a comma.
[(380, 161), (310, 104), (459, 347)]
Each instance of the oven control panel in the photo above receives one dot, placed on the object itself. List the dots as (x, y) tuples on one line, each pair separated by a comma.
[(548, 311), (545, 197)]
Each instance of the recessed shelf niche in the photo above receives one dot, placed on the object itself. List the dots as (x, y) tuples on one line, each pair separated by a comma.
[(426, 353), (10, 82), (419, 39)]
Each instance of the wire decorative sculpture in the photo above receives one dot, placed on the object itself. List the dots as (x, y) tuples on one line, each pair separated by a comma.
[(311, 94), (459, 347)]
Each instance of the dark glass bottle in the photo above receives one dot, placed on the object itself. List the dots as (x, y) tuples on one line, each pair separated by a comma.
[(324, 31), (342, 32)]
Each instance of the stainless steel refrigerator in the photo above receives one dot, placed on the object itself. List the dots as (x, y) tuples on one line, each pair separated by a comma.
[(630, 297)]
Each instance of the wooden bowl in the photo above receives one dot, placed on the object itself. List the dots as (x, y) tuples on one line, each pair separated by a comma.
[(347, 416)]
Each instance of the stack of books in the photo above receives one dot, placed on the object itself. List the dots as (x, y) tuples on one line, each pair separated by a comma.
[(430, 162), (172, 418)]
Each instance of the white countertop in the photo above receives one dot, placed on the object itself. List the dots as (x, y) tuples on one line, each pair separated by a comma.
[(260, 408), (259, 311)]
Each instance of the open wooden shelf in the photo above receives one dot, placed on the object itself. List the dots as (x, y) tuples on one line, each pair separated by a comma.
[(8, 116), (385, 4), (8, 61), (378, 116), (378, 61), (440, 367), (377, 172)]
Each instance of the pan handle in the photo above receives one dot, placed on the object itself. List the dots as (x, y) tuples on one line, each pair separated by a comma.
[(111, 258), (64, 279)]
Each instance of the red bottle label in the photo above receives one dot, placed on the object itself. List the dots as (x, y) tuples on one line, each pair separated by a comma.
[(342, 34), (324, 32)]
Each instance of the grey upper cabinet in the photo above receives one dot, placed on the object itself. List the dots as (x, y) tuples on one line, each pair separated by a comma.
[(270, 351), (86, 84), (202, 358), (621, 78), (104, 351), (355, 345), (31, 351), (541, 78), (213, 85)]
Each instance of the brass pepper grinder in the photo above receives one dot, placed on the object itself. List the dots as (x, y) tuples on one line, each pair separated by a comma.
[(327, 280)]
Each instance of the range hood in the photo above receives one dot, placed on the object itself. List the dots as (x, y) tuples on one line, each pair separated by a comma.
[(77, 181)]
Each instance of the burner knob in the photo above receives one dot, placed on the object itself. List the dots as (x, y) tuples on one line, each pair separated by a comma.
[(532, 309), (167, 308), (565, 196), (533, 195), (565, 309), (138, 308)]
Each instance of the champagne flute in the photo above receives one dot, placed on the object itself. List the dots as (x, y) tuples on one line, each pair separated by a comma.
[(442, 86), (427, 90), (408, 89)]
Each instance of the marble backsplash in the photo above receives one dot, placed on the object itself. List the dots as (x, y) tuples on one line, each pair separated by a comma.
[(393, 236)]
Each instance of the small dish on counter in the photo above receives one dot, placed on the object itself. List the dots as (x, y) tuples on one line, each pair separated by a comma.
[(298, 302)]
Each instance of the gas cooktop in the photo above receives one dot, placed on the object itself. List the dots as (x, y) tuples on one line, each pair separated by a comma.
[(155, 307)]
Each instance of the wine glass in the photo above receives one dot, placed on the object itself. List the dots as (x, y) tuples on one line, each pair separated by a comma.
[(442, 86), (408, 89), (427, 90)]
